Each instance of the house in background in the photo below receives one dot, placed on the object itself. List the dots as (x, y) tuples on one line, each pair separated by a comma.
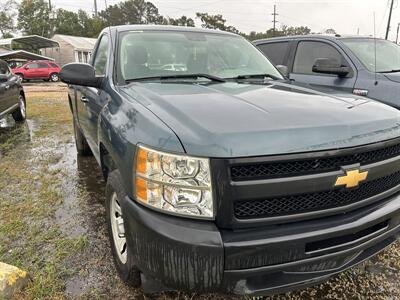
[(71, 49)]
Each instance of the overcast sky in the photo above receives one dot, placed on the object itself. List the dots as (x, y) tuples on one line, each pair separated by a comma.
[(345, 16)]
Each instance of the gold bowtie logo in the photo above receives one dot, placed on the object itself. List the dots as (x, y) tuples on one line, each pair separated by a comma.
[(352, 178)]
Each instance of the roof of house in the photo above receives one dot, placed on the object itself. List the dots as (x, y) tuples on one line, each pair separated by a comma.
[(35, 41), (21, 54), (78, 42)]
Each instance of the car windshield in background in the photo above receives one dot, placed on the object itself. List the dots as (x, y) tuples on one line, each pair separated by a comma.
[(152, 54), (387, 54)]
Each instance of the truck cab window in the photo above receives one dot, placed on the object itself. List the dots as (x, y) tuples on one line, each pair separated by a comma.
[(276, 52), (308, 52), (100, 60)]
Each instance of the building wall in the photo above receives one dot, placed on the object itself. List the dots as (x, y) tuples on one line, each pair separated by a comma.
[(66, 53), (63, 55)]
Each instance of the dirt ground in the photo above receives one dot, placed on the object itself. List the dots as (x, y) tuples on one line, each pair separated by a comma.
[(52, 218)]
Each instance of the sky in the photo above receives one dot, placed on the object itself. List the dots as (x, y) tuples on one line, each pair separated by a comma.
[(345, 16)]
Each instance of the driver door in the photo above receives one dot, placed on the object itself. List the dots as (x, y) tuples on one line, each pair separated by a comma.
[(307, 53)]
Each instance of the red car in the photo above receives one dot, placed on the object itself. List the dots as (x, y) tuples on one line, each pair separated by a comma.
[(43, 69)]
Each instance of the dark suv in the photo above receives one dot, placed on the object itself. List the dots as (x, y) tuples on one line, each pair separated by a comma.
[(12, 97), (344, 63)]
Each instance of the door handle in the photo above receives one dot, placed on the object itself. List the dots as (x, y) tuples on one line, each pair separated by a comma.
[(84, 99)]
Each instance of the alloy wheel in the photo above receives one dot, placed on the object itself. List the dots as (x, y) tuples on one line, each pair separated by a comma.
[(118, 230)]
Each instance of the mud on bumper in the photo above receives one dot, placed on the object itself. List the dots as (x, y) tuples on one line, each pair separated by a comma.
[(194, 255)]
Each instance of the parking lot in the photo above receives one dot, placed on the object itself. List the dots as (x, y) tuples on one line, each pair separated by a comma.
[(52, 217)]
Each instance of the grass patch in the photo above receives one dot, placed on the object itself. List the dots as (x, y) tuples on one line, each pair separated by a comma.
[(30, 188)]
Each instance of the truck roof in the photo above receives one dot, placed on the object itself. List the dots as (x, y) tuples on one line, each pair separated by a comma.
[(318, 36), (169, 28)]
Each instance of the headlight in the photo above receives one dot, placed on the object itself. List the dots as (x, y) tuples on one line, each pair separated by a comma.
[(177, 184)]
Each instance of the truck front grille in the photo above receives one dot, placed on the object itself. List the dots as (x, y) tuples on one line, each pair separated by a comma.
[(300, 203), (255, 171)]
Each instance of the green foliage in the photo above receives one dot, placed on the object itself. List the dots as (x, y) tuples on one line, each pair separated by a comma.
[(7, 15), (33, 17), (215, 22), (79, 24), (284, 31), (132, 12), (182, 21)]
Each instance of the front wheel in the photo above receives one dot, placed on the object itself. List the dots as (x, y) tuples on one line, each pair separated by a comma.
[(123, 259), (54, 77), (20, 114)]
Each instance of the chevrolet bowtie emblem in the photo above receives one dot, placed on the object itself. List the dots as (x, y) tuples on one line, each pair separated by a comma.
[(352, 178)]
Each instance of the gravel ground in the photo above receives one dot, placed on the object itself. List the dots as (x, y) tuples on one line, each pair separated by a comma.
[(52, 218)]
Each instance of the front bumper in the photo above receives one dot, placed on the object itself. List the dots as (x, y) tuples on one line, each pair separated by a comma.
[(196, 256)]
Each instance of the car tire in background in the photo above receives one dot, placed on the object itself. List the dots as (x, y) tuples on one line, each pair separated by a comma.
[(19, 115), (82, 147), (124, 263), (20, 76), (54, 77)]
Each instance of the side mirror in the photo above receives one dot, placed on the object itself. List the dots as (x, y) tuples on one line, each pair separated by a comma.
[(330, 66), (26, 67), (283, 70), (79, 74)]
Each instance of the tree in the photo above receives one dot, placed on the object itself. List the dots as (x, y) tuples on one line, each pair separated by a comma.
[(132, 12), (7, 15), (215, 22), (289, 30), (330, 31), (284, 31), (182, 21), (33, 17), (67, 23)]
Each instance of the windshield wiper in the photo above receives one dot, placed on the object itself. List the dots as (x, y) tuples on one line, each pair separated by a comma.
[(254, 76), (179, 76), (390, 71)]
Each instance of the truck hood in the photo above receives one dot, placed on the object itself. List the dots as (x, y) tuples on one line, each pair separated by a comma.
[(237, 120), (393, 76)]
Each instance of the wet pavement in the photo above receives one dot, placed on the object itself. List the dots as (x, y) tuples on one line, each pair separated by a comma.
[(52, 219)]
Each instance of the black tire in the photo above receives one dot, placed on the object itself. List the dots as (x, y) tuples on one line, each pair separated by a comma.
[(82, 147), (54, 77), (20, 76), (126, 270), (19, 114)]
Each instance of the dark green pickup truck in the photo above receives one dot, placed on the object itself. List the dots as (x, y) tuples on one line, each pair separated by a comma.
[(221, 175)]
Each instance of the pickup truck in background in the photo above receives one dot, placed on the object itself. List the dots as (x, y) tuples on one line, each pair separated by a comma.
[(344, 63), (223, 176), (12, 96)]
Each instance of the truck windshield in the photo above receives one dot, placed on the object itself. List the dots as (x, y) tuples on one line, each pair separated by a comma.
[(152, 54), (387, 54)]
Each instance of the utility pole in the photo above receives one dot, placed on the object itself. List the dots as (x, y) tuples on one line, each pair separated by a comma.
[(390, 17), (105, 2), (274, 21), (397, 34), (95, 8), (49, 5)]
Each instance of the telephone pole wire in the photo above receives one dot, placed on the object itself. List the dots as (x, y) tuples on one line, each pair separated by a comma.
[(274, 21), (390, 17)]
